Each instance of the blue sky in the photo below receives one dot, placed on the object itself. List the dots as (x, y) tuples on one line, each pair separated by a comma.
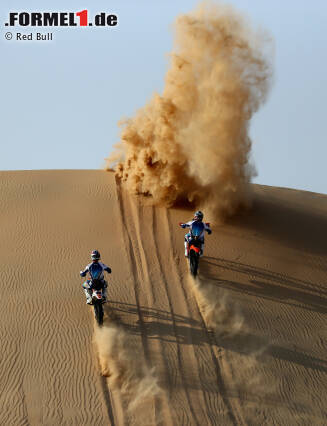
[(61, 100)]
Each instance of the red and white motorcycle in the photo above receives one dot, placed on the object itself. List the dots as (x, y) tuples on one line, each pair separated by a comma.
[(96, 286)]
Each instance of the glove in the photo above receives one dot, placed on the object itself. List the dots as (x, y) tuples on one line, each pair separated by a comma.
[(82, 274), (209, 231), (108, 270), (182, 225)]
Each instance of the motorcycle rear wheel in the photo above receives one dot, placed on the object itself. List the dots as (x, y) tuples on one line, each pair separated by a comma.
[(194, 263), (98, 312)]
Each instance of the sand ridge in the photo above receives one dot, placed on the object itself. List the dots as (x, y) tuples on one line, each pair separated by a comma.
[(245, 344)]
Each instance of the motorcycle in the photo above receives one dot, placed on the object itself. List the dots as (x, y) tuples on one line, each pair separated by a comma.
[(97, 299), (194, 244)]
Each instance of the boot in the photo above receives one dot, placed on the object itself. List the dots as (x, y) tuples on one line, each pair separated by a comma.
[(186, 248), (88, 296), (202, 249)]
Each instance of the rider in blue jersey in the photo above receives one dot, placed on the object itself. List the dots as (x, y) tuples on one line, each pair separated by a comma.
[(96, 271), (198, 217)]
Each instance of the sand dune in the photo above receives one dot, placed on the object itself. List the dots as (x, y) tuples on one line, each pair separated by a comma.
[(243, 345)]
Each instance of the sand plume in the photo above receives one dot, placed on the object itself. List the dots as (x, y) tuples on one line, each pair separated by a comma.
[(226, 320), (124, 365), (219, 313), (192, 142)]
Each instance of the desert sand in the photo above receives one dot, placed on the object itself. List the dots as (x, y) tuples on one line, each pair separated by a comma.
[(245, 344)]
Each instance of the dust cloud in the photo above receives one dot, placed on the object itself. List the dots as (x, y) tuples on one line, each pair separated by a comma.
[(192, 142), (224, 317), (124, 365), (218, 311)]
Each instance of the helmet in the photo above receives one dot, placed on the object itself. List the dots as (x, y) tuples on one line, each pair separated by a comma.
[(198, 215), (95, 255)]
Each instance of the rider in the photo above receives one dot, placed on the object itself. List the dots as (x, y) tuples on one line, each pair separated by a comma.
[(95, 269), (198, 217)]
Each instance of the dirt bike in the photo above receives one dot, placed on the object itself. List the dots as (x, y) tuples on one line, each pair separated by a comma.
[(97, 302), (194, 256), (194, 244), (96, 286)]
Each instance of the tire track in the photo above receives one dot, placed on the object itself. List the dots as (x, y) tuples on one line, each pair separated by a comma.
[(222, 368), (234, 413), (127, 231), (211, 405), (108, 400), (142, 291), (173, 275), (174, 323), (142, 271), (139, 271), (234, 418)]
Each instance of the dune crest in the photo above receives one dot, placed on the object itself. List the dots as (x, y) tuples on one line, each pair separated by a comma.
[(192, 142)]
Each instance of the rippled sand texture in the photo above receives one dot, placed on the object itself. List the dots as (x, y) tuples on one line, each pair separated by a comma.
[(245, 344)]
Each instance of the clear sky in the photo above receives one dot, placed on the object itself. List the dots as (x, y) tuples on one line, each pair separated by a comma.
[(61, 100)]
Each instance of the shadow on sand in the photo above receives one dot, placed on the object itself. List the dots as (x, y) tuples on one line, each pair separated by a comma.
[(296, 226), (169, 327)]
